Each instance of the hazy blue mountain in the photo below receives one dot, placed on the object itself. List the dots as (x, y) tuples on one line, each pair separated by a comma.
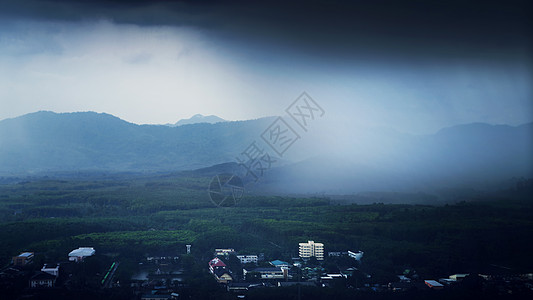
[(47, 141), (198, 118), (342, 161)]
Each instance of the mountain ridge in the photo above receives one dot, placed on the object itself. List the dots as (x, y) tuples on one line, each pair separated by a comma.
[(198, 118), (46, 142)]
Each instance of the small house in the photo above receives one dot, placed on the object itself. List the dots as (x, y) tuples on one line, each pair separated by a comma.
[(23, 259), (433, 284), (42, 280)]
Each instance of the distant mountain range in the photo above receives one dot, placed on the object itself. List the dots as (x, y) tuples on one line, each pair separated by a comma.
[(362, 160), (49, 142), (197, 119)]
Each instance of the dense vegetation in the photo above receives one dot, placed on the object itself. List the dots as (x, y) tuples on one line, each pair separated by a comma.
[(133, 216)]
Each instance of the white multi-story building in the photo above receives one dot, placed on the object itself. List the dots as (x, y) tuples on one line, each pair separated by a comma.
[(311, 249), (246, 259), (81, 253)]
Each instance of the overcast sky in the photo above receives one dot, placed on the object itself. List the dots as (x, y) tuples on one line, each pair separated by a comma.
[(415, 66)]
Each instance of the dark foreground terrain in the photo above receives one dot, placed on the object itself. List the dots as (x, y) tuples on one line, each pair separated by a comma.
[(129, 220)]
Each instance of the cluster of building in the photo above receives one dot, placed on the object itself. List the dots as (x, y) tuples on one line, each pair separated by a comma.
[(49, 273), (277, 269), (497, 284), (244, 259), (279, 273), (256, 273), (159, 276), (313, 249), (259, 273)]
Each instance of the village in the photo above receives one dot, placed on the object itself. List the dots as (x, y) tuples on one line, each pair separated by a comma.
[(167, 276)]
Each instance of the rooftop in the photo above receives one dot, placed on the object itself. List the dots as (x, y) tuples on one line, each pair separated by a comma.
[(82, 251), (43, 276), (278, 262), (273, 269), (433, 283), (291, 283), (220, 272), (216, 262)]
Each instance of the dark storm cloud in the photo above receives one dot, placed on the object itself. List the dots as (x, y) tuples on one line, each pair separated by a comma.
[(437, 29)]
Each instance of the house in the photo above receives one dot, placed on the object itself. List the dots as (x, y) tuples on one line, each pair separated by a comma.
[(223, 276), (10, 273), (42, 280), (330, 277), (219, 269), (216, 263), (403, 278), (335, 275), (356, 255), (238, 287), (242, 286), (279, 264), (269, 273), (297, 262), (23, 258), (434, 284), (162, 259), (400, 286), (458, 277), (52, 271), (245, 259), (293, 283), (447, 281), (311, 249), (80, 254), (347, 270), (224, 252), (312, 272)]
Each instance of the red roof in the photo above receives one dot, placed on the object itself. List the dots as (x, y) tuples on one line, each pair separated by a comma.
[(216, 262)]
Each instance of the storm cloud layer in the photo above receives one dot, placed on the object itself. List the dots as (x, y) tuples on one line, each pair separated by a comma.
[(416, 66), (341, 26)]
